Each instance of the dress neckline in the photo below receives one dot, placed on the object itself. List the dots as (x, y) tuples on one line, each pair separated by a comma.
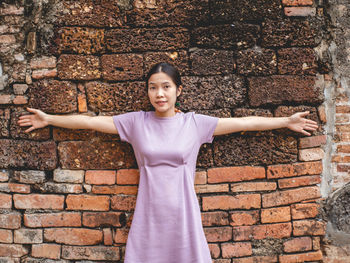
[(176, 116)]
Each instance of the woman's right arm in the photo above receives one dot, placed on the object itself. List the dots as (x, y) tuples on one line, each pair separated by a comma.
[(39, 119)]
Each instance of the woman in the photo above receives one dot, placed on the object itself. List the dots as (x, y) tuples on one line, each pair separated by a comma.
[(166, 225)]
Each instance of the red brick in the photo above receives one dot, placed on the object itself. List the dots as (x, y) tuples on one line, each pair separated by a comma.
[(5, 99), (312, 154), (211, 188), (44, 73), (313, 141), (12, 250), (200, 177), (296, 258), (87, 202), (73, 236), (102, 219), (115, 189), (279, 230), (297, 244), (20, 100), (343, 148), (52, 251), (105, 253), (14, 187), (228, 202), (10, 221), (7, 39), (38, 201), (218, 218), (6, 236), (342, 128), (275, 215), (214, 250), (5, 201), (4, 176), (28, 236), (297, 2), (300, 11), (256, 259), (295, 169), (308, 227), (52, 219), (238, 249), (107, 237), (82, 105), (218, 234), (316, 245), (122, 202), (341, 159), (290, 196), (100, 177), (342, 109), (43, 63), (299, 181), (341, 118), (128, 176), (121, 235), (245, 218), (253, 187), (235, 174)]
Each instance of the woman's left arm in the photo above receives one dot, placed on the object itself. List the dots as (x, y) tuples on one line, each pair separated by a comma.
[(295, 122)]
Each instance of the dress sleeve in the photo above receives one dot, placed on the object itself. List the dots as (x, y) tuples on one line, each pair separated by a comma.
[(205, 127), (125, 125)]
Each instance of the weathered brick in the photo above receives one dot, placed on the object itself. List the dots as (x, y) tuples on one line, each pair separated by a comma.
[(73, 236), (200, 177), (4, 176), (5, 201), (90, 252), (20, 89), (278, 89), (147, 39), (290, 32), (20, 100), (256, 62), (312, 141), (121, 235), (256, 259), (228, 202), (4, 123), (14, 188), (253, 187), (103, 219), (7, 39), (211, 188), (12, 220), (218, 218), (63, 134), (178, 58), (51, 187), (312, 154), (78, 155), (123, 202), (237, 249), (53, 96), (235, 174), (44, 73), (343, 148), (290, 196), (7, 9), (13, 250), (87, 202), (297, 61), (115, 189), (212, 61), (297, 2), (5, 99), (128, 176), (342, 109), (43, 62), (218, 234), (81, 40), (28, 236), (82, 105), (275, 215), (30, 176), (295, 169), (101, 96), (52, 219), (68, 176), (309, 256), (300, 11), (100, 177), (107, 237), (299, 181), (122, 66), (214, 250), (279, 230), (226, 36), (308, 227), (297, 244), (6, 236), (38, 201), (78, 67), (52, 251), (245, 218)]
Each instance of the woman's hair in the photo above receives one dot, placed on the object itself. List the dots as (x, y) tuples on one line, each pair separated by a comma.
[(166, 68)]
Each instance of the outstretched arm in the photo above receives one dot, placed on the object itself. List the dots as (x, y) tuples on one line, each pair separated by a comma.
[(295, 122), (40, 119)]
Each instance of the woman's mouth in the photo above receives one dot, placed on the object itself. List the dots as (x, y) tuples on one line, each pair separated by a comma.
[(161, 103)]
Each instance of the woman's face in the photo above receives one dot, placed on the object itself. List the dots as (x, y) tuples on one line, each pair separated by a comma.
[(162, 94)]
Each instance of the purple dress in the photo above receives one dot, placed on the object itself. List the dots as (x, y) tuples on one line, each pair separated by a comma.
[(167, 225)]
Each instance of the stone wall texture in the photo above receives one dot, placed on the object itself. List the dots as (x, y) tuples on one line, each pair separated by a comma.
[(268, 196)]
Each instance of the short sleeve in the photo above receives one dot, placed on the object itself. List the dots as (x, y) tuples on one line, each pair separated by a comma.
[(205, 127), (125, 125)]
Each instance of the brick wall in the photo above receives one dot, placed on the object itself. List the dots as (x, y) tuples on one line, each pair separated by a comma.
[(69, 195)]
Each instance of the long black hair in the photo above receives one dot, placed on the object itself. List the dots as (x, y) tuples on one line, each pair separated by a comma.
[(168, 69)]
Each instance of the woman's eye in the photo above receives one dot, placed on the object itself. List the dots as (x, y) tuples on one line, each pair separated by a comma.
[(167, 87)]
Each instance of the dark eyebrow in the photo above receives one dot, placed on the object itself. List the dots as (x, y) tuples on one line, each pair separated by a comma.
[(162, 83)]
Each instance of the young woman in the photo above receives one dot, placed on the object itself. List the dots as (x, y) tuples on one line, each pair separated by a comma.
[(166, 225)]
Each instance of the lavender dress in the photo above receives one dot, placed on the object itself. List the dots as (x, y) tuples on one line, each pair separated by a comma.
[(167, 225)]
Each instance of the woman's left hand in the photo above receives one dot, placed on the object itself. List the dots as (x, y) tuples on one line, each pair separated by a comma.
[(299, 124)]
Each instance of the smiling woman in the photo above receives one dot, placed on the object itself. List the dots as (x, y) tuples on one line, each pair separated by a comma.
[(166, 225)]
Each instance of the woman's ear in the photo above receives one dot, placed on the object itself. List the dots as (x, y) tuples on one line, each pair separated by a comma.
[(178, 90)]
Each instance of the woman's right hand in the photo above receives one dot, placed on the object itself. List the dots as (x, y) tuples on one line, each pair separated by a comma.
[(37, 120)]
